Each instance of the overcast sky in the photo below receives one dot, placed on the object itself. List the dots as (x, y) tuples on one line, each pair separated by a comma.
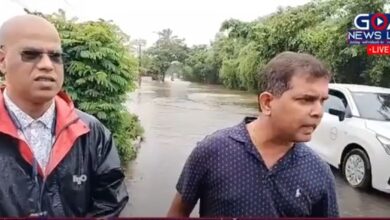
[(195, 20)]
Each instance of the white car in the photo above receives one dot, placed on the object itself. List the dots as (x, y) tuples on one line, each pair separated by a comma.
[(354, 134)]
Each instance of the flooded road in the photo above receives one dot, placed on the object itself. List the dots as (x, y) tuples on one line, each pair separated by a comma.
[(175, 115)]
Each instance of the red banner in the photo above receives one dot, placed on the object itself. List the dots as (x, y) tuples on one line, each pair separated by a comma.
[(378, 49)]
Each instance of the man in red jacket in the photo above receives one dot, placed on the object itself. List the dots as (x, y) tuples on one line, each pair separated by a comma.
[(54, 159)]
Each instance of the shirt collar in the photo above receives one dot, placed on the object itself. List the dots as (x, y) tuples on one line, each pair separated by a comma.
[(25, 120), (240, 133)]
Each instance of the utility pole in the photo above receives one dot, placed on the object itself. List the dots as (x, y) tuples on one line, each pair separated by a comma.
[(139, 43), (139, 57)]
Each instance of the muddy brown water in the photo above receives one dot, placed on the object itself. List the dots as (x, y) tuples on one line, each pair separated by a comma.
[(177, 114)]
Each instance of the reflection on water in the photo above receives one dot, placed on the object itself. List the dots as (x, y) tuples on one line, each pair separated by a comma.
[(175, 116)]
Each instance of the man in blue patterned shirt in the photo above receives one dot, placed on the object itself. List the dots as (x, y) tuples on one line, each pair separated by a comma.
[(260, 167)]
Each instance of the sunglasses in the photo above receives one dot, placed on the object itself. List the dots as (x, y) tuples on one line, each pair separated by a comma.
[(34, 56)]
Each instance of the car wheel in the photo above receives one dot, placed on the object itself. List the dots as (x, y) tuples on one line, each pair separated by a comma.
[(357, 169)]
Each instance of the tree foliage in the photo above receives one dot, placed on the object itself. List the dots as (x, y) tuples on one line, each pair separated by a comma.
[(100, 71), (240, 49), (200, 66), (167, 49)]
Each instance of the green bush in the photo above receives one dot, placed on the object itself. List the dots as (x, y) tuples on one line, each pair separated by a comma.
[(100, 71)]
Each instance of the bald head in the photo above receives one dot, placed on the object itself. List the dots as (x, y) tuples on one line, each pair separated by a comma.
[(26, 26), (31, 49)]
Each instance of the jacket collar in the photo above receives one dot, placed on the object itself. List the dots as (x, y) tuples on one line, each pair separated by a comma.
[(66, 117), (65, 113), (24, 119)]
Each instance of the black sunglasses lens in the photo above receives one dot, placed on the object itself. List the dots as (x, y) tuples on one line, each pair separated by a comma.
[(34, 56), (30, 56), (56, 57)]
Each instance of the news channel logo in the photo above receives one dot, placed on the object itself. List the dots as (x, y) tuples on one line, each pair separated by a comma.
[(370, 29)]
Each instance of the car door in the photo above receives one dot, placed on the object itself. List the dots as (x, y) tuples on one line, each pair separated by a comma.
[(329, 135)]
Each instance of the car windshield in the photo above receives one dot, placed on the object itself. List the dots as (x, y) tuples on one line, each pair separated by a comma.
[(375, 106)]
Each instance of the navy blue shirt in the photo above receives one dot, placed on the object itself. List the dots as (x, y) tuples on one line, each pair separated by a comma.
[(227, 174)]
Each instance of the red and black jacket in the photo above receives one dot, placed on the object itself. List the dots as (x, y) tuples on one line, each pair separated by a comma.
[(83, 176)]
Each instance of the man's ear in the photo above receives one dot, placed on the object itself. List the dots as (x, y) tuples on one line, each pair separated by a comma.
[(265, 99), (2, 62)]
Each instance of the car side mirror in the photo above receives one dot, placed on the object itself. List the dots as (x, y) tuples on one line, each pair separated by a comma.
[(339, 113)]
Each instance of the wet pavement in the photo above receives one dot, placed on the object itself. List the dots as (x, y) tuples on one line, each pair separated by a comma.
[(175, 115)]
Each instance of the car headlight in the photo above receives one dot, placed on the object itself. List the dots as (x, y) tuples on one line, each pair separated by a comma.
[(385, 143)]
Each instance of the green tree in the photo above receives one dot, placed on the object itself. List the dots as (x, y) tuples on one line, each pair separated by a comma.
[(167, 49), (201, 65), (320, 27), (100, 71)]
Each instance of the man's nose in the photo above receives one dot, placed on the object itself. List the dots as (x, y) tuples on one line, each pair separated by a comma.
[(45, 63), (317, 110)]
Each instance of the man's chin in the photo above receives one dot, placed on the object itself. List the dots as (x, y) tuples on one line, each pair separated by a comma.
[(42, 98), (303, 138)]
